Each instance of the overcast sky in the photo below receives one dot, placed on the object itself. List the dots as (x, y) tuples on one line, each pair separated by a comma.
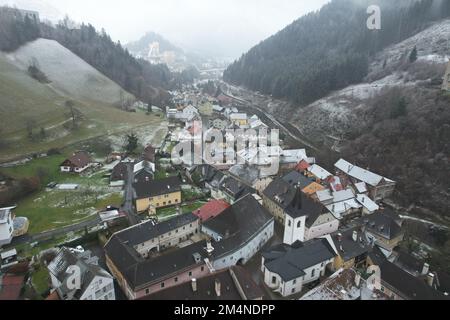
[(221, 27)]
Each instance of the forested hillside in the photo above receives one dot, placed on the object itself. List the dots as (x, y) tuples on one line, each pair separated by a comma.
[(329, 49), (96, 48)]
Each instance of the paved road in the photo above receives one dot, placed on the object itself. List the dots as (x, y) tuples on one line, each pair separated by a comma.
[(55, 233), (128, 207)]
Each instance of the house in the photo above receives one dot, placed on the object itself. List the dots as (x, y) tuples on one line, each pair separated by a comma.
[(342, 204), (352, 248), (302, 166), (239, 232), (344, 285), (239, 119), (290, 158), (8, 258), (287, 268), (234, 283), (217, 108), (446, 82), (379, 187), (278, 195), (77, 163), (232, 190), (251, 176), (156, 194), (368, 206), (211, 210), (306, 219), (118, 175), (139, 277), (318, 173), (382, 229), (6, 225), (149, 238), (96, 283), (398, 284)]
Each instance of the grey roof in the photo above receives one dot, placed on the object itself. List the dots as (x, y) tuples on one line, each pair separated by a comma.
[(206, 288), (289, 262), (141, 272), (381, 224), (235, 188), (63, 260), (239, 223), (246, 173), (408, 286), (146, 231), (347, 247), (280, 192), (119, 172), (152, 188), (295, 178)]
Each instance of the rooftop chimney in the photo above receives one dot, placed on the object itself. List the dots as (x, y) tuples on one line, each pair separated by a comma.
[(218, 287), (194, 285), (209, 247), (355, 236), (425, 269)]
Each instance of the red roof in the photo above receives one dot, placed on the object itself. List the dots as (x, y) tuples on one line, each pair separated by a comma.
[(11, 287), (302, 166), (211, 209)]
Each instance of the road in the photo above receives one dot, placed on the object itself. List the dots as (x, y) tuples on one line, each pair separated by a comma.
[(128, 206)]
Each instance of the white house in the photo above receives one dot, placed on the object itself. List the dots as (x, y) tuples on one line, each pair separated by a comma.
[(239, 232), (95, 283), (287, 268), (6, 225), (77, 163)]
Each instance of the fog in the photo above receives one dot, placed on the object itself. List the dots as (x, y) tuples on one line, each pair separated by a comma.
[(222, 28)]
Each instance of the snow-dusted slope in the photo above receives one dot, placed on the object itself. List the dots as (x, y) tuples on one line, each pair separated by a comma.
[(46, 10), (69, 74), (335, 114)]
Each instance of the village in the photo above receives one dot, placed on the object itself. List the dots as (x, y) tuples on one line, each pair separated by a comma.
[(189, 228)]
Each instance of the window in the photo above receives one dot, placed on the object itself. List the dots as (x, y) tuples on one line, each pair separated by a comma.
[(170, 201), (176, 231), (176, 279), (274, 280), (164, 203), (293, 290), (299, 224), (313, 272), (202, 269), (289, 223), (147, 291), (322, 264), (294, 282), (162, 285), (190, 273)]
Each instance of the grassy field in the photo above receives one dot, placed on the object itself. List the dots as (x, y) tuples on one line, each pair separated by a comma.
[(49, 209), (23, 98), (165, 212), (41, 280)]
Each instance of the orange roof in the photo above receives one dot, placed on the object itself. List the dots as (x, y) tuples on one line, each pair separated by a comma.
[(313, 188), (11, 287), (53, 296), (212, 209)]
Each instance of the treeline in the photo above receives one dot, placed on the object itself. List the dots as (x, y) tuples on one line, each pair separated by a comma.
[(329, 49), (15, 29)]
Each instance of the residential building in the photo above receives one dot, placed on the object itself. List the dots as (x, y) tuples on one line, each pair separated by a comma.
[(96, 283), (239, 119), (368, 205), (149, 154), (344, 285), (139, 277), (382, 229), (317, 172), (232, 190), (151, 195), (277, 197), (287, 268), (379, 187), (352, 248), (239, 232), (77, 163), (234, 283), (211, 210), (6, 225), (149, 238), (118, 175)]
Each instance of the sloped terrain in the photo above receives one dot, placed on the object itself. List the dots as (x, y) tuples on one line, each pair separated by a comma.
[(68, 73)]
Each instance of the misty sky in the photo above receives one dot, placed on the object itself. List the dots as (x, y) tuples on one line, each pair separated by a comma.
[(220, 27)]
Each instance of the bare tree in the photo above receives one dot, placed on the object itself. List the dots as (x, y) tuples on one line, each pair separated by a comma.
[(30, 125), (73, 112)]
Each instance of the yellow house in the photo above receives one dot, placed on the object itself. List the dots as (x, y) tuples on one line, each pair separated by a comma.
[(239, 119), (154, 194), (312, 188)]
